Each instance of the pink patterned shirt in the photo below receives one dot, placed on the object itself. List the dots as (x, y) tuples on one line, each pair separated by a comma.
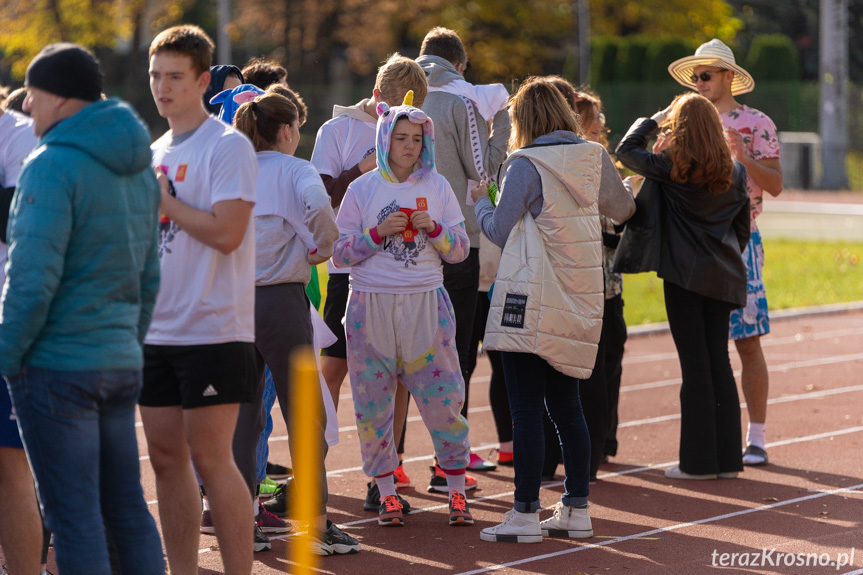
[(759, 135)]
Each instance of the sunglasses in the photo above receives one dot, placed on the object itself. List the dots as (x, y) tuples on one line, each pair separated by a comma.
[(704, 76)]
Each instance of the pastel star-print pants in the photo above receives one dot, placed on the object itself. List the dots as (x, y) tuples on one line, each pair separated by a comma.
[(407, 337)]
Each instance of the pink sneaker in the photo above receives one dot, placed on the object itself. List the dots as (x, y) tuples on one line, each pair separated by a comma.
[(477, 463), (269, 523)]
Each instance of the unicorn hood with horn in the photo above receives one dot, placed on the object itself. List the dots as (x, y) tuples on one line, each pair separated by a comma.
[(387, 118)]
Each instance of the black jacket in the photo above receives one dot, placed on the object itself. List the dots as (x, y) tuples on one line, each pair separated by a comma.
[(702, 235)]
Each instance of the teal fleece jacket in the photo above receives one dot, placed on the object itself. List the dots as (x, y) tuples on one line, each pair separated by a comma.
[(83, 269)]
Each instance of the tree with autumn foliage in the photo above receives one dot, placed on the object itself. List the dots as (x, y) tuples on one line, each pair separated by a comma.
[(510, 39)]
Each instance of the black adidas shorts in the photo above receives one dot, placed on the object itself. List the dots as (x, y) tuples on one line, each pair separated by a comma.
[(198, 375), (338, 289)]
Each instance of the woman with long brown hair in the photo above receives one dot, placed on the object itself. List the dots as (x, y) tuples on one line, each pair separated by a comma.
[(703, 229)]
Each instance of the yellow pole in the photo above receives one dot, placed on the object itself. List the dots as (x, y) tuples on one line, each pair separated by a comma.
[(306, 405)]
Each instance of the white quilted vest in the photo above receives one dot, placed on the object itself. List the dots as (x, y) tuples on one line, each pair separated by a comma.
[(548, 293)]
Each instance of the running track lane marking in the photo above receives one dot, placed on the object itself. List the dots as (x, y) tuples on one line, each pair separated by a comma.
[(782, 399), (635, 423), (802, 337), (650, 467), (774, 401), (606, 476), (661, 383), (665, 530), (781, 367)]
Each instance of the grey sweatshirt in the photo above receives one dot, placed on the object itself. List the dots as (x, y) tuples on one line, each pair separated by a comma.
[(522, 192), (453, 152)]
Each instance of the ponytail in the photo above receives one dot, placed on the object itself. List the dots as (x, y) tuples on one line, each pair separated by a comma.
[(262, 118)]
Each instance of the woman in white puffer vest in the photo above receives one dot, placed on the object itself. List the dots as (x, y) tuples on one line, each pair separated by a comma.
[(547, 300)]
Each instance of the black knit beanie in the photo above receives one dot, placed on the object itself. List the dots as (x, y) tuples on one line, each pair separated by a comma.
[(66, 70)]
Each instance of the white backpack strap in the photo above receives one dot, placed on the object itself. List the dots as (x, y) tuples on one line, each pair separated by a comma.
[(475, 144)]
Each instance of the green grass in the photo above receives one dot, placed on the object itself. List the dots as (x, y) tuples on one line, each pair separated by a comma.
[(796, 274)]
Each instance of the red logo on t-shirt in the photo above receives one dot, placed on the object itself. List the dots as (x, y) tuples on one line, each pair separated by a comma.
[(181, 173)]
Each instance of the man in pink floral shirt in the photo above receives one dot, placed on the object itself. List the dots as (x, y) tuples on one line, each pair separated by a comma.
[(713, 72)]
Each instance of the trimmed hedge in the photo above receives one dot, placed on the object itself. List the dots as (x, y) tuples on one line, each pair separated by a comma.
[(603, 59), (773, 57), (632, 58), (639, 58), (635, 58), (661, 54)]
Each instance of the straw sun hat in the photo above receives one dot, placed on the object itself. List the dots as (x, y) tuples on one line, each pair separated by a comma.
[(713, 53)]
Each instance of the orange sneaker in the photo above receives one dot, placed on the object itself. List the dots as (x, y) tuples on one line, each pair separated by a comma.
[(401, 478), (504, 458), (438, 483), (390, 513), (459, 514)]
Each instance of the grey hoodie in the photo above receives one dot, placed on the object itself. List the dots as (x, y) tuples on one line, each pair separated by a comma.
[(453, 154)]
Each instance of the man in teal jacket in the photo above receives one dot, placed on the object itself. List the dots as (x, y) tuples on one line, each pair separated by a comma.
[(82, 279)]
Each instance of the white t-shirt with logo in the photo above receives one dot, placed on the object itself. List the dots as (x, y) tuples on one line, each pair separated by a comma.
[(400, 265), (342, 143), (205, 297), (17, 140)]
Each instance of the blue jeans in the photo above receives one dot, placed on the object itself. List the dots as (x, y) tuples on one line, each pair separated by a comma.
[(78, 429), (263, 451), (535, 387)]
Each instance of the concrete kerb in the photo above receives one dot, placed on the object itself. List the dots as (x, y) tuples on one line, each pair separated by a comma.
[(775, 315)]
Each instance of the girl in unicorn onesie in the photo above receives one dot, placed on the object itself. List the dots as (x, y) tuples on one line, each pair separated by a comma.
[(397, 223)]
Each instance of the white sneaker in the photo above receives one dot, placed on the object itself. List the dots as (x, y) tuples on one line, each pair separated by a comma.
[(568, 521), (676, 473), (516, 528)]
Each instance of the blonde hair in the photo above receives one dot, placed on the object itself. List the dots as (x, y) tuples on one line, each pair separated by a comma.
[(538, 108), (697, 147), (262, 118), (397, 76)]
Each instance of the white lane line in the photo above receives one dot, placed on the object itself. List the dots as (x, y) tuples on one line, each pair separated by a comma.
[(550, 485), (629, 359), (782, 367), (676, 527), (771, 341), (652, 466), (624, 424), (774, 401), (670, 382)]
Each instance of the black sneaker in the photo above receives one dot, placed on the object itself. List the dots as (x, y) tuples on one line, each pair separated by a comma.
[(261, 542), (334, 541), (279, 504), (276, 471), (391, 512), (373, 499)]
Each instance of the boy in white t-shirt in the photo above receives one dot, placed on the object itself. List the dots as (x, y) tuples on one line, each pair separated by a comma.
[(397, 223), (199, 352)]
